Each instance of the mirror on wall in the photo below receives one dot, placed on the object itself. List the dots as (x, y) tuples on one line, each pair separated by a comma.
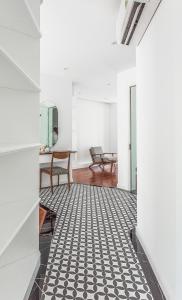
[(48, 125)]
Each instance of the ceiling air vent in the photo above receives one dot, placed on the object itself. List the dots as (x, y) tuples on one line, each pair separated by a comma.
[(134, 19)]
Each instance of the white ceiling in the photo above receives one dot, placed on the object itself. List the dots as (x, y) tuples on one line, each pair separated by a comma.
[(78, 35)]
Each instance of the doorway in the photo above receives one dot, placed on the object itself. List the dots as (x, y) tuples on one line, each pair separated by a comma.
[(133, 140)]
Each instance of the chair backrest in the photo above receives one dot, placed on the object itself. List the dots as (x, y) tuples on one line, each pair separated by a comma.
[(61, 155), (94, 151)]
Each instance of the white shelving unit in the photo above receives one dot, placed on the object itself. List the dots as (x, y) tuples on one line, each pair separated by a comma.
[(13, 76), (19, 244), (12, 274), (19, 147), (29, 60), (17, 15), (8, 149)]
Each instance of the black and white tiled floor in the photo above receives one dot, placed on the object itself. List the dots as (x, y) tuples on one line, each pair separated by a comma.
[(91, 254), (44, 246)]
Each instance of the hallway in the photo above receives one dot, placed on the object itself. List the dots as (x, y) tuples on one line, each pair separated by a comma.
[(91, 254)]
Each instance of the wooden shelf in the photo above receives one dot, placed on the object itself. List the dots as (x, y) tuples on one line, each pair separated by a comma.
[(13, 77), (10, 149), (17, 15), (11, 217)]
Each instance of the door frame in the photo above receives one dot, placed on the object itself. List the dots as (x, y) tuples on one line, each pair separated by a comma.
[(132, 86)]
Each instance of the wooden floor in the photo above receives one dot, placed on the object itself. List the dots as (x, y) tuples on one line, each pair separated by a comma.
[(95, 177)]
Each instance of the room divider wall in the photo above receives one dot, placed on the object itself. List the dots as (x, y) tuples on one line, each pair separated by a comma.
[(19, 146)]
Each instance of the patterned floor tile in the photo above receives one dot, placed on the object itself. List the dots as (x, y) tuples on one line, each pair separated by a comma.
[(91, 254)]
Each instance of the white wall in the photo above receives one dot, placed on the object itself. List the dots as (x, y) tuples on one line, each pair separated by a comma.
[(178, 178), (124, 81), (94, 125), (113, 128), (58, 90), (178, 146), (159, 146), (82, 123)]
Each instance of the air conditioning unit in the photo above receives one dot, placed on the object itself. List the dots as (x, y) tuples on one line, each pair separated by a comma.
[(133, 20)]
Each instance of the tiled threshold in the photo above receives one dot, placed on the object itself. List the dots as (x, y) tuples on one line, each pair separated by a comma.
[(152, 281)]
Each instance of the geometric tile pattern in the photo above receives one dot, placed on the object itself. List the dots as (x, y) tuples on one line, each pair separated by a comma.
[(44, 246), (91, 254)]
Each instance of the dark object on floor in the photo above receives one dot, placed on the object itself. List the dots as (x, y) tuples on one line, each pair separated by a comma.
[(100, 159), (49, 221), (54, 170), (146, 267)]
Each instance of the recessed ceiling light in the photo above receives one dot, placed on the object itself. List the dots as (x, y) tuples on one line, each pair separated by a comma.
[(114, 43)]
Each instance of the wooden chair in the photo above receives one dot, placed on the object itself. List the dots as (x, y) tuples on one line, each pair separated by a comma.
[(47, 220), (99, 158), (54, 170), (42, 215)]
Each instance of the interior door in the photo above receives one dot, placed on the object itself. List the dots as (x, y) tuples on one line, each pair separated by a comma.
[(133, 139)]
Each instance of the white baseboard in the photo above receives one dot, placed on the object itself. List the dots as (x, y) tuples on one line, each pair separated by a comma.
[(124, 188), (163, 287), (80, 165)]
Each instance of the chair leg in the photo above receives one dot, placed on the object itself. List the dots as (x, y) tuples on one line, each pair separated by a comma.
[(101, 167), (90, 167), (40, 183), (51, 184), (52, 228), (111, 167), (69, 185), (58, 180)]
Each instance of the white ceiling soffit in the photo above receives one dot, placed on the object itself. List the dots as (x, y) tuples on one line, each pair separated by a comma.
[(78, 40)]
